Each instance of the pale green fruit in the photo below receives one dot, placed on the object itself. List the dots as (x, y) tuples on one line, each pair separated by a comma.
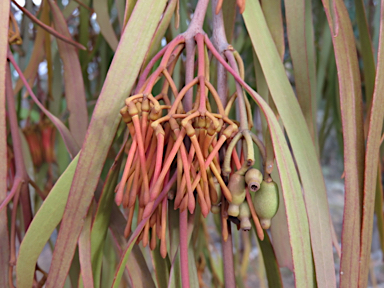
[(244, 215), (266, 200), (236, 186), (253, 178), (233, 210), (265, 223)]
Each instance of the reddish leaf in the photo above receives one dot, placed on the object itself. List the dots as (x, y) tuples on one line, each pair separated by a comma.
[(4, 237)]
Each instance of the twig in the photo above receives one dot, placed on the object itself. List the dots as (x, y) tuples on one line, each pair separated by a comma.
[(48, 28), (229, 270)]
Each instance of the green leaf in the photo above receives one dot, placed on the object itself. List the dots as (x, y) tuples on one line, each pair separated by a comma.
[(162, 267), (274, 18), (301, 47), (86, 279), (366, 51), (126, 63), (372, 160), (193, 279), (73, 79), (229, 14), (4, 237), (379, 209), (175, 273), (136, 266), (303, 150), (42, 226), (106, 29), (270, 262), (353, 136), (102, 218)]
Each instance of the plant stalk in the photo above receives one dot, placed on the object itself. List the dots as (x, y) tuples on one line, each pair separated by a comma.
[(184, 248), (195, 27), (229, 270)]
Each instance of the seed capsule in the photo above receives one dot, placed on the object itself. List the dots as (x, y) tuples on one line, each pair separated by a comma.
[(266, 202), (265, 223), (253, 178), (244, 215), (215, 209), (236, 186)]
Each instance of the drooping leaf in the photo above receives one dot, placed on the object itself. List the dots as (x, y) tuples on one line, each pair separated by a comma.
[(70, 143), (302, 146), (372, 160), (42, 226), (127, 61), (301, 47), (162, 267), (279, 227), (137, 267), (274, 17), (270, 263), (37, 56), (58, 34), (106, 29), (102, 218), (86, 280), (366, 50), (353, 136), (73, 79), (4, 236)]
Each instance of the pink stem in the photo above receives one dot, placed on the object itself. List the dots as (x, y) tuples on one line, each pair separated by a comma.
[(163, 63), (140, 144), (127, 168), (183, 222), (159, 157)]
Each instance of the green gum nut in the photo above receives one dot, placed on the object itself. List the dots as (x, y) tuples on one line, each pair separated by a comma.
[(236, 186), (215, 209), (253, 178), (265, 223), (266, 201), (244, 215)]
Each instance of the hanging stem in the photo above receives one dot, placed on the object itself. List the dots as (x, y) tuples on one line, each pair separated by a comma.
[(229, 269), (184, 248)]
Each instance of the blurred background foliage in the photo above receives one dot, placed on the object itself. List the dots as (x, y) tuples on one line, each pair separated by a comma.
[(97, 26)]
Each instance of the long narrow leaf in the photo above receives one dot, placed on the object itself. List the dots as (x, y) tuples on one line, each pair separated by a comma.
[(102, 218), (366, 51), (270, 263), (4, 240), (302, 145), (137, 267), (70, 143), (106, 29), (127, 61), (85, 252), (372, 160), (302, 50), (73, 79), (352, 119), (42, 226), (274, 18)]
